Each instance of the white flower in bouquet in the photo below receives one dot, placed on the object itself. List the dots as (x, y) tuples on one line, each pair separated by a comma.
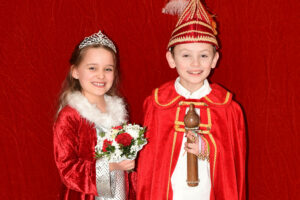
[(120, 143), (133, 130)]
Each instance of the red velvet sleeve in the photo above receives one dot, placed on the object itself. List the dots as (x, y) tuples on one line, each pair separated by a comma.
[(239, 142), (76, 172)]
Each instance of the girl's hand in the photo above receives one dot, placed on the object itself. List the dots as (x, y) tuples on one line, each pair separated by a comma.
[(192, 147), (123, 165)]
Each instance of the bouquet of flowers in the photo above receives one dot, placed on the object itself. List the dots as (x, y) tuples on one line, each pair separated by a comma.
[(120, 143)]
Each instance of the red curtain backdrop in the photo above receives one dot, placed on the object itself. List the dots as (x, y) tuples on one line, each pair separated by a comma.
[(259, 63)]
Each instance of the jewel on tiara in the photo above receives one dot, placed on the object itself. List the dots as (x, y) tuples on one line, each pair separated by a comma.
[(98, 38)]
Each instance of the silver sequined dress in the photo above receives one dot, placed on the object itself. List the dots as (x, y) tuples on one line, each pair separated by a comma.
[(110, 185)]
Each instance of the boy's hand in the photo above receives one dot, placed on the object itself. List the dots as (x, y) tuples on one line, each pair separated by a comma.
[(123, 165), (192, 147)]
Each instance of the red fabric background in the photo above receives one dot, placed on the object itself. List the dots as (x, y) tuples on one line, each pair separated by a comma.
[(259, 63)]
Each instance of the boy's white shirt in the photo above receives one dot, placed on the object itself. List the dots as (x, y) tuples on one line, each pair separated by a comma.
[(181, 191), (198, 94)]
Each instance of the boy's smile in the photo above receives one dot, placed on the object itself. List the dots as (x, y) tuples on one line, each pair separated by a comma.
[(193, 62), (193, 72)]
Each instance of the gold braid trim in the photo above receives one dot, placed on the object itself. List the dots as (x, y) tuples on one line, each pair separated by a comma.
[(187, 103), (177, 114), (185, 13), (200, 125), (156, 99), (190, 31), (192, 39), (226, 99), (215, 156), (173, 147), (180, 123), (192, 22), (178, 129), (209, 118), (202, 10)]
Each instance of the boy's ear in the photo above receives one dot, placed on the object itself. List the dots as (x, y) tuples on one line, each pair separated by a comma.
[(215, 60), (170, 59), (74, 72)]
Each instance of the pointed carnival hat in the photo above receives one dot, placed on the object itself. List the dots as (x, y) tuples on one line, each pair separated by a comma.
[(195, 24)]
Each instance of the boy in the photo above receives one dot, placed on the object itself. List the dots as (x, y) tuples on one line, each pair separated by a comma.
[(220, 142)]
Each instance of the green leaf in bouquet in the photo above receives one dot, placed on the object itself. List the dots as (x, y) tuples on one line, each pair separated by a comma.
[(142, 131), (126, 150), (110, 149), (98, 155), (131, 155), (141, 141), (102, 134), (134, 142)]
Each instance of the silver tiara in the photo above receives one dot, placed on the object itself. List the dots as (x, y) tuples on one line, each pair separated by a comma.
[(98, 38)]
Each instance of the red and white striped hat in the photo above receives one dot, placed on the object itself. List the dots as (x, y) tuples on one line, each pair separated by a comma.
[(195, 24)]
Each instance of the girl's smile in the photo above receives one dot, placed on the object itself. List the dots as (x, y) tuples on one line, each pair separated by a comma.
[(98, 84), (95, 73)]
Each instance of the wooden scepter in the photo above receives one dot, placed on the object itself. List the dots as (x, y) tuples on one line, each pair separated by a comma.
[(191, 122)]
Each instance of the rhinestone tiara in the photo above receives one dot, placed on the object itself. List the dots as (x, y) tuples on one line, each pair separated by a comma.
[(98, 38)]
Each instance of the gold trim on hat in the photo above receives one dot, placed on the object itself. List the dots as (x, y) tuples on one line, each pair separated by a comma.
[(185, 12), (204, 12), (192, 22), (193, 39), (191, 9), (190, 31)]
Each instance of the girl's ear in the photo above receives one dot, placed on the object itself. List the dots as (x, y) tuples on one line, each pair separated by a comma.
[(170, 59), (74, 71), (215, 60)]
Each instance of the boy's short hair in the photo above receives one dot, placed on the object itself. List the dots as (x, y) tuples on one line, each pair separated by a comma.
[(171, 49)]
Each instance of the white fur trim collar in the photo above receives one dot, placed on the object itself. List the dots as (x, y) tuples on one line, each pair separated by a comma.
[(116, 112)]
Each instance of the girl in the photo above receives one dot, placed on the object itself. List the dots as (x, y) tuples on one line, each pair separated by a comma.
[(89, 104)]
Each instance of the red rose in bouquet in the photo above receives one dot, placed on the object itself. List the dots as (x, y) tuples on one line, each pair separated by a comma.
[(120, 142), (118, 127), (106, 144), (124, 139)]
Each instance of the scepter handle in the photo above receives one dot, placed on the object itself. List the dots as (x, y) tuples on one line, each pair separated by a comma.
[(191, 121)]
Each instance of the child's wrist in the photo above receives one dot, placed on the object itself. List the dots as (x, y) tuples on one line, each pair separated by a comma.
[(112, 166)]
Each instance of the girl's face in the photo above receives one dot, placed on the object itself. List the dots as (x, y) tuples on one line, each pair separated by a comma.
[(95, 73)]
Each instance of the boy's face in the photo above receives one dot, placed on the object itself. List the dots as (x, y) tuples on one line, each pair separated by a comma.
[(193, 62)]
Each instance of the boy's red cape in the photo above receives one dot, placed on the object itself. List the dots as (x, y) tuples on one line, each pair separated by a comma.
[(222, 124)]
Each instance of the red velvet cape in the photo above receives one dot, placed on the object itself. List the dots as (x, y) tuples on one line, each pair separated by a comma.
[(222, 124), (74, 151)]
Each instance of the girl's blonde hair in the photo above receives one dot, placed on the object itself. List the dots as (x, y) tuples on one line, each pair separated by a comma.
[(71, 84)]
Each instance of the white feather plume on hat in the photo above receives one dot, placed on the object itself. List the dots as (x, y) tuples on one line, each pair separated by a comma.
[(175, 7)]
